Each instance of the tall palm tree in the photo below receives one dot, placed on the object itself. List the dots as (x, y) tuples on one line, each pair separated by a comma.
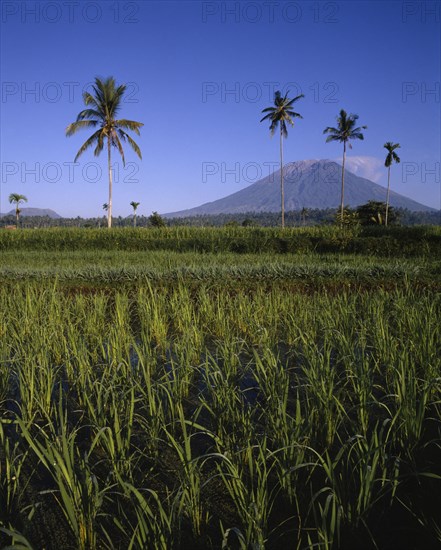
[(134, 205), (390, 158), (345, 131), (279, 115), (102, 108), (17, 199)]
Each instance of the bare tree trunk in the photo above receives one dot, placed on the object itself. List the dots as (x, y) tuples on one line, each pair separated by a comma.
[(134, 218), (387, 196), (342, 205), (109, 208), (282, 192), (16, 216)]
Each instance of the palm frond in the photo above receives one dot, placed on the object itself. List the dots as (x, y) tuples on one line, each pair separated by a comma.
[(281, 113), (129, 125), (90, 100), (133, 144), (117, 143), (101, 137), (358, 130), (273, 126), (17, 198), (99, 146), (333, 138), (330, 130), (346, 129), (283, 129), (90, 114), (351, 117), (79, 125), (266, 117), (293, 114), (291, 101), (88, 143), (391, 156)]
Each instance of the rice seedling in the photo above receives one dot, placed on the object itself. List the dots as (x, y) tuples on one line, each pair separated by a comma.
[(246, 478), (188, 497), (159, 391), (12, 483), (17, 540), (153, 524), (112, 418), (77, 490)]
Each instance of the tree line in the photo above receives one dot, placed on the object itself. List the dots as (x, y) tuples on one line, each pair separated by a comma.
[(373, 213)]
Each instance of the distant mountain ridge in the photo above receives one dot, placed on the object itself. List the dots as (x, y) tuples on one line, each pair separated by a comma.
[(27, 212), (308, 183)]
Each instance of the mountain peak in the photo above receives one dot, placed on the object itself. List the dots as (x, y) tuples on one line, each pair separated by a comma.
[(311, 183)]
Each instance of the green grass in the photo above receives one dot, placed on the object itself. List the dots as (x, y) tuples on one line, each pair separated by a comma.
[(173, 400), (310, 270), (384, 242)]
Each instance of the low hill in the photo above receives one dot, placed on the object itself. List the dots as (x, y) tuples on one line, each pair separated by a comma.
[(27, 212)]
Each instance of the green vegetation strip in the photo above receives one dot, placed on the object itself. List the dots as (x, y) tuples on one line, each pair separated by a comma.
[(165, 267), (380, 241)]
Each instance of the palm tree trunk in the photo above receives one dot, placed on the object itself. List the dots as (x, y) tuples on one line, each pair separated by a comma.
[(387, 196), (109, 208), (342, 205), (282, 193), (134, 219), (16, 216)]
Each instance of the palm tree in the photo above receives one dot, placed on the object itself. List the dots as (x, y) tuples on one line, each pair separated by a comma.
[(280, 114), (391, 157), (134, 205), (303, 213), (344, 132), (102, 107), (17, 199), (106, 209)]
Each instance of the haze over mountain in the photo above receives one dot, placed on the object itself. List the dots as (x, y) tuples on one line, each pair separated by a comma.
[(25, 212), (308, 183)]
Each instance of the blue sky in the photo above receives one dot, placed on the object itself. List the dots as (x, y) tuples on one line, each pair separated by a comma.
[(198, 75)]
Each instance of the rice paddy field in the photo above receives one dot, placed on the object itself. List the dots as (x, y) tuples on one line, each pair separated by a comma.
[(234, 388)]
